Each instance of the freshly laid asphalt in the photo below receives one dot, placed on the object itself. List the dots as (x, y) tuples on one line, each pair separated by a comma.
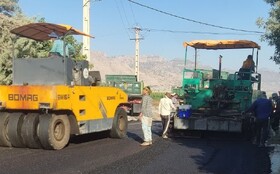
[(96, 153)]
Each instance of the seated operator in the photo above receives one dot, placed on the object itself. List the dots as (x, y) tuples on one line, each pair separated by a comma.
[(247, 68), (57, 47), (249, 64)]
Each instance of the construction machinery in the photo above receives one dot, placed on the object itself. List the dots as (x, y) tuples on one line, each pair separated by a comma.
[(54, 97), (215, 100), (132, 87)]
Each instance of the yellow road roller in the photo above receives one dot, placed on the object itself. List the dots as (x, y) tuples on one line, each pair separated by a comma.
[(55, 97)]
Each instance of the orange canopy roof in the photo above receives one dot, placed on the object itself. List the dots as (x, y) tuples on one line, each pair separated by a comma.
[(221, 44), (41, 31)]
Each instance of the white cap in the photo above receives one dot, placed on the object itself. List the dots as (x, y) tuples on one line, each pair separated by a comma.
[(53, 35)]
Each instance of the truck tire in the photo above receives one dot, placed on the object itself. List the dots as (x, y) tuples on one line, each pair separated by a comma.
[(29, 131), (119, 127), (54, 131), (4, 139), (14, 129)]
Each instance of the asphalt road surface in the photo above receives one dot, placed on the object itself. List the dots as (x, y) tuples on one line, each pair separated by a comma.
[(95, 153)]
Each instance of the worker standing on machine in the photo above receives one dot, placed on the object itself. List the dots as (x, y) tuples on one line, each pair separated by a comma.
[(57, 49), (165, 109)]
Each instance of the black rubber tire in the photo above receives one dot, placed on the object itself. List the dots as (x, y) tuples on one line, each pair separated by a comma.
[(4, 139), (14, 129), (54, 131), (119, 126), (29, 131)]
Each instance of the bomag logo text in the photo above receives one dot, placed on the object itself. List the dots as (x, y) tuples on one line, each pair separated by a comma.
[(111, 98), (63, 97), (23, 97)]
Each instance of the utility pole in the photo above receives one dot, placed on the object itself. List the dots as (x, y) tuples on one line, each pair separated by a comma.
[(86, 28), (136, 61)]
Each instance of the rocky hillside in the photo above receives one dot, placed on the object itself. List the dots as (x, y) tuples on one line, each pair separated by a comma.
[(160, 73)]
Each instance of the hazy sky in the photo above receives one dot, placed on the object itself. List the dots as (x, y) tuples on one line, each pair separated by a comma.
[(112, 20)]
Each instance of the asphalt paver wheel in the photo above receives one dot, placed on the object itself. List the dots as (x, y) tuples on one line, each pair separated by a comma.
[(29, 131), (119, 127), (14, 129), (54, 131), (4, 139)]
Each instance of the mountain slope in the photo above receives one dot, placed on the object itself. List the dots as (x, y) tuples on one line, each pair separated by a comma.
[(161, 74)]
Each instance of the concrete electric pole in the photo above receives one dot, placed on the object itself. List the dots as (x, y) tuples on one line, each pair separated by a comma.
[(86, 29), (136, 62)]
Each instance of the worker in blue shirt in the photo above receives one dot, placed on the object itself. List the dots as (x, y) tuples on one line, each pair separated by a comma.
[(262, 108), (57, 47)]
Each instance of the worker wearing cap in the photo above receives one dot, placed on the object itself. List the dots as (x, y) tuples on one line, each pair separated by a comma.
[(175, 101), (165, 108), (57, 47)]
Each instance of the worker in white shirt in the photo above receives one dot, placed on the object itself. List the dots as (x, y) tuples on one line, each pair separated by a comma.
[(176, 103), (175, 100), (165, 109)]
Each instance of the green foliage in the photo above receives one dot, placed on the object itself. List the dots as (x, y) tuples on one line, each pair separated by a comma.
[(11, 17), (272, 2), (157, 95), (9, 7), (272, 28), (17, 47), (78, 48)]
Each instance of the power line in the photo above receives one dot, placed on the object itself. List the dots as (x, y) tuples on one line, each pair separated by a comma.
[(122, 19), (132, 13), (89, 2), (192, 20), (124, 12), (196, 32)]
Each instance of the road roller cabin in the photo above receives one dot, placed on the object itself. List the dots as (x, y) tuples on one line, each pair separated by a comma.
[(54, 97)]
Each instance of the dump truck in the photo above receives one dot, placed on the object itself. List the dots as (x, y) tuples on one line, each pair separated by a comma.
[(214, 100), (53, 98), (132, 87)]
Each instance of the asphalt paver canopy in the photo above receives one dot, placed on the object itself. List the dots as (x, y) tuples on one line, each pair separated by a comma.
[(221, 44)]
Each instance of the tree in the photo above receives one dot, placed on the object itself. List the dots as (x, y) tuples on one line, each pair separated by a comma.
[(78, 48), (17, 47), (8, 7), (272, 28), (10, 16)]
